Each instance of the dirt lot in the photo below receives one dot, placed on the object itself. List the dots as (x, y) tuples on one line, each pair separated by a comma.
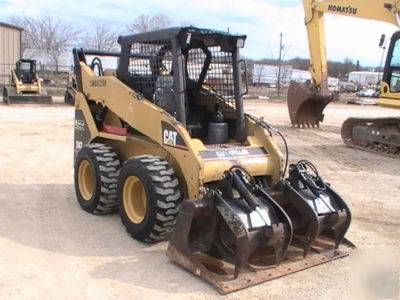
[(51, 249)]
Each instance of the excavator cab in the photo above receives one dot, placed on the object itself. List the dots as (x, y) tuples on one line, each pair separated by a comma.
[(380, 135)]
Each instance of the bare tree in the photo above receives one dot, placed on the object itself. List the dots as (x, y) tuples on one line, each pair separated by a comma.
[(145, 23), (100, 37), (258, 72), (47, 34)]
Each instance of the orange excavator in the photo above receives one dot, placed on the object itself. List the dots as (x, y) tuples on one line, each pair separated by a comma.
[(307, 102)]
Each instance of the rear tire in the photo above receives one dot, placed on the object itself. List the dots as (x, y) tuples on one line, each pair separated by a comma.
[(149, 198), (96, 175)]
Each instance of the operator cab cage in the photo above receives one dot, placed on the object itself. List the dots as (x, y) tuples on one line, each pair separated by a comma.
[(25, 70), (189, 72)]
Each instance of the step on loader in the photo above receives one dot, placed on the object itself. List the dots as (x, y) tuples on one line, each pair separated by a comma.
[(163, 139), (25, 87)]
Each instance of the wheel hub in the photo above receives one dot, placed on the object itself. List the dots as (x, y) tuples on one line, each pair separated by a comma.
[(86, 180), (134, 199)]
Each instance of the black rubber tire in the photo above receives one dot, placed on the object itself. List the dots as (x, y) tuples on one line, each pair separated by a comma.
[(106, 166), (68, 98), (5, 95), (163, 197)]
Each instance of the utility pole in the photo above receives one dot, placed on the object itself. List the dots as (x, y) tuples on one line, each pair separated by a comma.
[(278, 84)]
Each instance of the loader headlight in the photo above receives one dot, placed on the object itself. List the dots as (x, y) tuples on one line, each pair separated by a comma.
[(240, 43)]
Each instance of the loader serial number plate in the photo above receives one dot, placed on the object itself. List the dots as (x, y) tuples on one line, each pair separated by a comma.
[(233, 153)]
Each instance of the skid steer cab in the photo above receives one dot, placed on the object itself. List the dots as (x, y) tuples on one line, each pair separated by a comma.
[(161, 136)]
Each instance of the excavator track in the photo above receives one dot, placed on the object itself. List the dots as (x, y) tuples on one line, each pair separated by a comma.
[(379, 135)]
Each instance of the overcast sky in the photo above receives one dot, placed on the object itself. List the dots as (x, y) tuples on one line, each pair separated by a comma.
[(261, 21)]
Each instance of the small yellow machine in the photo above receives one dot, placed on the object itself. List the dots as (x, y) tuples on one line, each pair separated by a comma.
[(163, 138), (69, 95), (26, 86), (306, 103)]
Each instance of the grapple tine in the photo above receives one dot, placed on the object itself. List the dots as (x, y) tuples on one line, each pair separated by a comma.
[(278, 243), (238, 229), (320, 213), (344, 218)]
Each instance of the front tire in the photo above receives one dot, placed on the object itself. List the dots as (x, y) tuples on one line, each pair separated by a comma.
[(96, 175), (149, 198), (5, 95)]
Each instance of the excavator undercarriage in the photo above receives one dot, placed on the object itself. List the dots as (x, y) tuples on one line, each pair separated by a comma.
[(380, 135)]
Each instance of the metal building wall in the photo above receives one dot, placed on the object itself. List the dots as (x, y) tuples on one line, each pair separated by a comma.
[(10, 50)]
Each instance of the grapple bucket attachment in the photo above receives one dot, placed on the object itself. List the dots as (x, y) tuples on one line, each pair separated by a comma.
[(240, 234), (305, 107)]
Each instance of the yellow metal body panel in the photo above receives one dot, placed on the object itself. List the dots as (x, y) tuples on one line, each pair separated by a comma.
[(387, 98), (146, 118), (34, 88)]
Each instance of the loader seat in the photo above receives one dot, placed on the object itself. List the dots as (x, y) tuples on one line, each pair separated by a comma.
[(27, 77)]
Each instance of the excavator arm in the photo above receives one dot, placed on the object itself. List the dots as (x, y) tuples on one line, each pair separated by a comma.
[(307, 103)]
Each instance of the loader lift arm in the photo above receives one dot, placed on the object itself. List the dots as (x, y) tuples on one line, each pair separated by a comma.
[(306, 105)]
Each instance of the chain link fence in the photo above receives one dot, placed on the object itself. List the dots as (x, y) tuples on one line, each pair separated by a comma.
[(51, 74)]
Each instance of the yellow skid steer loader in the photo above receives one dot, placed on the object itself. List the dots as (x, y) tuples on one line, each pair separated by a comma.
[(26, 86), (164, 139)]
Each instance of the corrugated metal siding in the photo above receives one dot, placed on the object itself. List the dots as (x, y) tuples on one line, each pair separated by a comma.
[(10, 50)]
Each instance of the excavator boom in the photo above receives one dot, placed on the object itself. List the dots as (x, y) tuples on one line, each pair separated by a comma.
[(306, 103)]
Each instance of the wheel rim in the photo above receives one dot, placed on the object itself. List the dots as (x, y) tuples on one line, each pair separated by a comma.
[(86, 180), (134, 199)]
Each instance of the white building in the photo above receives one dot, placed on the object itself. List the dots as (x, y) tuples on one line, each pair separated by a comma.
[(266, 74), (365, 78), (300, 75)]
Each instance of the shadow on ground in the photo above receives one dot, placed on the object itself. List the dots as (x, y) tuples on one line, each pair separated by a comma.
[(48, 217)]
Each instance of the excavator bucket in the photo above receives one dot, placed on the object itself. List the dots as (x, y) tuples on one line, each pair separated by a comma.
[(241, 234), (306, 107)]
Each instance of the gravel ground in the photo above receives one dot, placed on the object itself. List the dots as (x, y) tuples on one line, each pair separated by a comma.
[(50, 248)]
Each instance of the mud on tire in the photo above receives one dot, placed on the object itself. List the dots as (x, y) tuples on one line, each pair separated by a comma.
[(149, 198), (96, 174)]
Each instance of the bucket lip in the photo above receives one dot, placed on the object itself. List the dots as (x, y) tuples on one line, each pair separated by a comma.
[(225, 283)]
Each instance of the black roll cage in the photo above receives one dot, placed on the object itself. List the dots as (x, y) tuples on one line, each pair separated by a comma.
[(180, 41)]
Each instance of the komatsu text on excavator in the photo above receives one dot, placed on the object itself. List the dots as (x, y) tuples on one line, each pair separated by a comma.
[(307, 103)]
